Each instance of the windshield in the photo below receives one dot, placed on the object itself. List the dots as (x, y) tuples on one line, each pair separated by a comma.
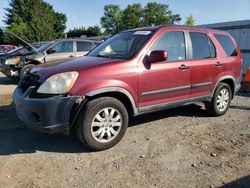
[(122, 46), (45, 46)]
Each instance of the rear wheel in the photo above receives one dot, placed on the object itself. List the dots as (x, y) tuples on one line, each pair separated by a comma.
[(102, 123), (221, 100)]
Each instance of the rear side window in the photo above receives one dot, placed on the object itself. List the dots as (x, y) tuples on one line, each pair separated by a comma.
[(202, 46), (84, 46), (64, 47), (174, 44), (226, 44)]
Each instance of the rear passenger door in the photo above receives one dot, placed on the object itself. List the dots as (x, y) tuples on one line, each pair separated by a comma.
[(62, 50), (205, 65), (83, 47)]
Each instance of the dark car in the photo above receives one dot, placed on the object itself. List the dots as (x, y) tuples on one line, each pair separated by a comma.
[(16, 63), (132, 73)]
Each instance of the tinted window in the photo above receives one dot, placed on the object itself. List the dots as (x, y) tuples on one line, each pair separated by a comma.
[(63, 47), (227, 44), (200, 45), (84, 46), (174, 44)]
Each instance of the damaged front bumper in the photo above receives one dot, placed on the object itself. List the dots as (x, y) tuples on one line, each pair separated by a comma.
[(50, 115)]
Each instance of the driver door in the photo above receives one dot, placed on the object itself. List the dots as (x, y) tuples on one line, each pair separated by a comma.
[(168, 81), (63, 50)]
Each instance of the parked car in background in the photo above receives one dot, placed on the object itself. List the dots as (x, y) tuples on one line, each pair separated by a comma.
[(17, 63), (6, 48), (135, 72)]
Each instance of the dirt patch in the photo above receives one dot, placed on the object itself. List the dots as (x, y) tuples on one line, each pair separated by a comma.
[(182, 147)]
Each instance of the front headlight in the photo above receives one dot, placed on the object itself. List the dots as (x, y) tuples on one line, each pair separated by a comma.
[(59, 83), (12, 61)]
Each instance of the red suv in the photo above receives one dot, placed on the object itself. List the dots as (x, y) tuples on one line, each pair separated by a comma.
[(132, 73)]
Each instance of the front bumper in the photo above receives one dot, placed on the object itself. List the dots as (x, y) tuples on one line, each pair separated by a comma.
[(50, 115)]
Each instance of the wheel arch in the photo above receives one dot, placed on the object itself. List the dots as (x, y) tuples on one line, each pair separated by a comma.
[(228, 80), (116, 92)]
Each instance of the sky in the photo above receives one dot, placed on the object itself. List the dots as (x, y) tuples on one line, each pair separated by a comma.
[(88, 12)]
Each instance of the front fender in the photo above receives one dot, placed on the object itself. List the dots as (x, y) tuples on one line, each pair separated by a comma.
[(107, 86)]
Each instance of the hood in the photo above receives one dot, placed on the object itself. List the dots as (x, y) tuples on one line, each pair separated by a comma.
[(47, 69), (21, 41)]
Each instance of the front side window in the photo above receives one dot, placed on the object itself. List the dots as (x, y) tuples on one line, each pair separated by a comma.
[(226, 44), (84, 46), (122, 46), (173, 43), (202, 46), (63, 47)]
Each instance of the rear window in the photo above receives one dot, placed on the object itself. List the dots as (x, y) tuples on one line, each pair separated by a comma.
[(202, 46), (84, 46), (226, 44)]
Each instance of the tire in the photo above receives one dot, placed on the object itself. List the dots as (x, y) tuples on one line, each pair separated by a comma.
[(223, 93), (102, 132), (25, 69)]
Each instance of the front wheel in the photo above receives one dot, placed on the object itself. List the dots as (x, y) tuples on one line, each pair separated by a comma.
[(221, 100), (25, 69), (102, 123)]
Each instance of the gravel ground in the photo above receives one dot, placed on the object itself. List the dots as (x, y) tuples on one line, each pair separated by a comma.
[(7, 85), (182, 147)]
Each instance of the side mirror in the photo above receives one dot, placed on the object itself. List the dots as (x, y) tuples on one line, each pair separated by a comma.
[(51, 51), (157, 56)]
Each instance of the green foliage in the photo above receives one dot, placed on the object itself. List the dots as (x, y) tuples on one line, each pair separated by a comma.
[(190, 21), (89, 32), (34, 20), (1, 36), (159, 14), (111, 20), (133, 16)]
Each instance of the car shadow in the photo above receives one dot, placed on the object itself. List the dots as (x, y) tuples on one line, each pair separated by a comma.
[(243, 94), (240, 183), (7, 81), (15, 138), (192, 110)]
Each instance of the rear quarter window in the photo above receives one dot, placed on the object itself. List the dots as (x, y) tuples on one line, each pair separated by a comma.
[(84, 46), (227, 44)]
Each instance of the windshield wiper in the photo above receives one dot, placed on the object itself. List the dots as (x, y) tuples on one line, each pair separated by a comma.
[(104, 56)]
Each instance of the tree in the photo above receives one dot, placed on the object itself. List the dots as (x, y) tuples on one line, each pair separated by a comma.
[(116, 20), (1, 36), (159, 14), (34, 20), (132, 17), (190, 20), (111, 20), (89, 32)]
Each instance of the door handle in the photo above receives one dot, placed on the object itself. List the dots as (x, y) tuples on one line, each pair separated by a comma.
[(71, 56), (184, 67), (219, 64)]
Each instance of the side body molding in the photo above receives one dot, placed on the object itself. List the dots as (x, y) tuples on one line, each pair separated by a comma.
[(115, 89)]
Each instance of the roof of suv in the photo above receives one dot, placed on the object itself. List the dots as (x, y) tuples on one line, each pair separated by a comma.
[(155, 28), (78, 39)]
